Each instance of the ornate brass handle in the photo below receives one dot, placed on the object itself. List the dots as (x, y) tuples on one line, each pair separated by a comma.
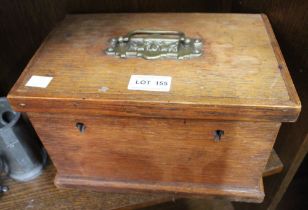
[(159, 32), (155, 44)]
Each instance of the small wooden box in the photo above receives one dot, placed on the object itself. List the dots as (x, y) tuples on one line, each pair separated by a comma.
[(210, 134)]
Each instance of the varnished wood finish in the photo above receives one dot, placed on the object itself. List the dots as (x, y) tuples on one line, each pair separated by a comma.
[(25, 23), (131, 142), (274, 165), (41, 193), (239, 77), (158, 154), (289, 20)]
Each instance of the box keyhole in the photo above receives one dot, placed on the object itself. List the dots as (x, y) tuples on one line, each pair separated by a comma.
[(218, 134), (81, 127)]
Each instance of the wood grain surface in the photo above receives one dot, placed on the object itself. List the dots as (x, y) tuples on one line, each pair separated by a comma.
[(41, 193), (238, 77), (289, 20), (158, 154), (25, 23), (273, 166)]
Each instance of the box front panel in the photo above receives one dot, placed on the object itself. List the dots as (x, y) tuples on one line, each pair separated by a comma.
[(161, 151)]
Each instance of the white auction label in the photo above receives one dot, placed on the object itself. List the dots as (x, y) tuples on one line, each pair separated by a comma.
[(39, 81), (150, 83)]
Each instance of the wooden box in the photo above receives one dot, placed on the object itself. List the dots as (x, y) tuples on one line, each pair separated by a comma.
[(210, 133)]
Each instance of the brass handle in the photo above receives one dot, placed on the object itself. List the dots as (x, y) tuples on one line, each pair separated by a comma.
[(157, 32), (155, 45)]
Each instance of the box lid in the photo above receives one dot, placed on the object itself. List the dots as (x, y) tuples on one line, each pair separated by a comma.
[(241, 74)]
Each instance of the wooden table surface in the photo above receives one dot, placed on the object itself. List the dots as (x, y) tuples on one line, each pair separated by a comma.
[(41, 193)]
